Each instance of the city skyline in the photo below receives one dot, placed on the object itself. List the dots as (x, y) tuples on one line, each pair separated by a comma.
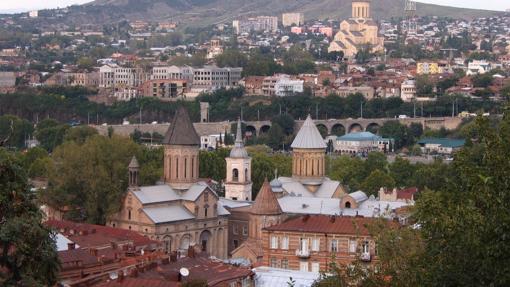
[(27, 5)]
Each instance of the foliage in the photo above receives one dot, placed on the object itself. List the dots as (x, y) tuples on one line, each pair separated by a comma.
[(375, 181), (28, 254), (20, 130), (91, 178), (231, 58), (50, 133), (213, 165)]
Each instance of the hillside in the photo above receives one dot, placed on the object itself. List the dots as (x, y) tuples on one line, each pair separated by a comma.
[(206, 12)]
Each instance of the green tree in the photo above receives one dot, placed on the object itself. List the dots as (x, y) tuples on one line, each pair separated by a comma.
[(231, 58), (79, 134), (28, 254), (50, 133), (348, 170), (375, 181), (402, 171), (15, 129), (262, 168), (396, 131), (90, 178), (275, 136)]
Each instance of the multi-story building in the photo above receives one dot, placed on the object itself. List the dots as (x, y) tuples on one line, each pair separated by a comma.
[(310, 242), (408, 90), (172, 72), (212, 77), (288, 87), (7, 79), (293, 19), (85, 79), (167, 89), (260, 23), (114, 76), (366, 91), (476, 67)]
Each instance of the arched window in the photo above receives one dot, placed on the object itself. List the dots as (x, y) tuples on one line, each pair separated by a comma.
[(348, 204), (129, 214), (235, 175), (246, 175)]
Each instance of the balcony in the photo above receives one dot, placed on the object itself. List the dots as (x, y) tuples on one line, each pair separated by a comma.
[(365, 257), (302, 253)]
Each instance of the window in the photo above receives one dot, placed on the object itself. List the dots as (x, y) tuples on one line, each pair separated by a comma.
[(303, 242), (235, 230), (315, 267), (347, 204), (236, 243), (285, 263), (366, 247), (353, 245), (274, 262), (316, 243), (235, 175), (129, 214), (334, 245), (205, 211), (274, 242), (245, 230), (303, 266), (285, 242)]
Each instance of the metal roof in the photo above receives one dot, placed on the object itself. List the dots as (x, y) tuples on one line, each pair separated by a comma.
[(155, 194), (275, 277), (444, 142), (169, 213), (359, 136), (308, 136), (239, 151)]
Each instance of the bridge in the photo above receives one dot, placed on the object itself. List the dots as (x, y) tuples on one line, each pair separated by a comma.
[(332, 126), (343, 126)]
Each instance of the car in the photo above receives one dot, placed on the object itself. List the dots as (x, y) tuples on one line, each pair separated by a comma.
[(403, 117)]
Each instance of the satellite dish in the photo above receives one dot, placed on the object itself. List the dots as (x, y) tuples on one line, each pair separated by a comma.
[(113, 275), (184, 271)]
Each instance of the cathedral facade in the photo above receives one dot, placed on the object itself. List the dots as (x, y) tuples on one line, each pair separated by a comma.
[(357, 32)]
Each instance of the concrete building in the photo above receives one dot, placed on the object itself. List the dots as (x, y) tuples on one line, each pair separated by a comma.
[(212, 77), (293, 19), (238, 182), (166, 90), (477, 67), (358, 31), (441, 145), (183, 211), (259, 23), (362, 143), (114, 76), (172, 72), (7, 79), (288, 87), (408, 90), (366, 91)]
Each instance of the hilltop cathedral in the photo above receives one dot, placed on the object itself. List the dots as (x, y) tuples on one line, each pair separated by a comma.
[(357, 31)]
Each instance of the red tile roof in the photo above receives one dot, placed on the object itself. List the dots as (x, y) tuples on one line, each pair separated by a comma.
[(326, 224), (407, 193), (138, 282), (90, 235)]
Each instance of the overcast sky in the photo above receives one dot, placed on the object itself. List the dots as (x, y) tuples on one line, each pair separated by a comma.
[(26, 5)]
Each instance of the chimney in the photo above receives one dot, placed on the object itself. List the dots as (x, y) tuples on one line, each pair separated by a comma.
[(71, 246), (332, 218), (306, 217)]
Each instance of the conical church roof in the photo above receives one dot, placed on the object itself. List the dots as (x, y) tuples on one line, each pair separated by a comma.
[(134, 163), (266, 202), (181, 131), (309, 136)]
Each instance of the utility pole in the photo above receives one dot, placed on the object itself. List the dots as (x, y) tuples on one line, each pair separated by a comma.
[(258, 115), (414, 109), (422, 109), (361, 108), (453, 108), (88, 118), (280, 109), (140, 115), (316, 111)]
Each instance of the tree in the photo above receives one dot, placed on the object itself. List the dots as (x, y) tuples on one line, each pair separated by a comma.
[(402, 171), (90, 178), (375, 181), (16, 129), (231, 58), (349, 171), (262, 168), (28, 254), (286, 122), (50, 133), (79, 134), (396, 131), (471, 212), (424, 86), (275, 137)]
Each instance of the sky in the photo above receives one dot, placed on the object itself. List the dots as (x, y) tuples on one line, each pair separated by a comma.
[(27, 5)]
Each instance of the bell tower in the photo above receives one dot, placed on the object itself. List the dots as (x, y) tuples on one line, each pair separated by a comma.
[(238, 183), (134, 173), (361, 9)]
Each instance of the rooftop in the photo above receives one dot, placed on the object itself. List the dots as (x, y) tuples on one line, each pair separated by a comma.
[(266, 202), (309, 136), (359, 136), (444, 142), (181, 131)]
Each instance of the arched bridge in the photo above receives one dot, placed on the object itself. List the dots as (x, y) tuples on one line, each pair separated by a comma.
[(343, 126)]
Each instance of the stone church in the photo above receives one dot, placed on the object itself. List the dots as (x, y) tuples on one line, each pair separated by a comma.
[(357, 31), (183, 211)]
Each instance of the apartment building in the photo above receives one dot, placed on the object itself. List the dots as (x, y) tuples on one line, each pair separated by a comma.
[(165, 89), (309, 242), (408, 90), (172, 72), (212, 77), (113, 76), (293, 19), (260, 23)]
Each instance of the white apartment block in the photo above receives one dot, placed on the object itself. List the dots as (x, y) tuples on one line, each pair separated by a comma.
[(288, 87), (260, 23), (408, 90), (293, 19), (7, 79), (478, 67), (113, 76), (172, 73)]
